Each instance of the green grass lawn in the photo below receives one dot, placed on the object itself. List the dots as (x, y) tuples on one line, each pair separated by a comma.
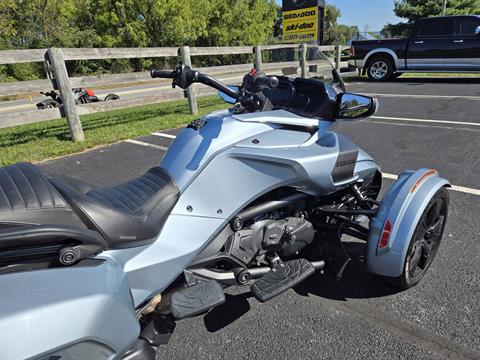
[(39, 141)]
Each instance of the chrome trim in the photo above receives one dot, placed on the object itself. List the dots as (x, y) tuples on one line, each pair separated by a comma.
[(463, 62), (462, 71), (399, 63)]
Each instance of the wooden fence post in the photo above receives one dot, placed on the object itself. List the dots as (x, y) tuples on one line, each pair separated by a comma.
[(338, 57), (62, 83), (303, 60), (192, 98), (257, 57)]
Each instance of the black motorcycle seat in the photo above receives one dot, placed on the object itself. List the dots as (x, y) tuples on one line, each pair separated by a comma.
[(28, 198), (125, 215)]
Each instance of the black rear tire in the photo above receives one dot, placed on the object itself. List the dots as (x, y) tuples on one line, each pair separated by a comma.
[(425, 242), (111, 97), (380, 68), (48, 104)]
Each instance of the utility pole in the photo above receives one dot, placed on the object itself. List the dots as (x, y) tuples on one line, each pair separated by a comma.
[(444, 7), (365, 29)]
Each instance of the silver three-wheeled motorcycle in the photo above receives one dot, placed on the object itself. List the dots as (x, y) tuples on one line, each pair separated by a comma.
[(262, 194)]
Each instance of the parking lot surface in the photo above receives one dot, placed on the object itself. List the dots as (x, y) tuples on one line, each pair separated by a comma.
[(421, 123)]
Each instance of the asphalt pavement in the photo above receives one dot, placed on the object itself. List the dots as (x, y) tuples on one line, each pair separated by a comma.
[(360, 317)]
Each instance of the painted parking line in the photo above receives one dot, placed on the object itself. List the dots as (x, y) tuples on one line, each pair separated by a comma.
[(454, 187), (169, 136), (412, 96), (462, 189), (141, 143), (425, 120)]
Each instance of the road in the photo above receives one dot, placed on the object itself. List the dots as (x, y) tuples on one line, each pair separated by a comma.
[(360, 317)]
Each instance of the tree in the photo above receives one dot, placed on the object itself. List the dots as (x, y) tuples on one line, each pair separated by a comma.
[(28, 24), (414, 9), (336, 33), (240, 22)]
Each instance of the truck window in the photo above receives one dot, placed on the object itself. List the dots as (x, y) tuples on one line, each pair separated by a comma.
[(466, 26), (435, 28)]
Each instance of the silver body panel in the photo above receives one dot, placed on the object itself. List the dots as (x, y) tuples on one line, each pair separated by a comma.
[(44, 311), (151, 268)]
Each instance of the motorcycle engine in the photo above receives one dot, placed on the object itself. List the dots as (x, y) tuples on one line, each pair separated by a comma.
[(286, 237)]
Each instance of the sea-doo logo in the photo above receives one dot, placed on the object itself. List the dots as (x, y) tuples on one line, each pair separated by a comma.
[(298, 15)]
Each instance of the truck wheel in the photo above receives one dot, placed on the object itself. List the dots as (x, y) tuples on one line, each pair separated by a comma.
[(380, 69), (425, 242)]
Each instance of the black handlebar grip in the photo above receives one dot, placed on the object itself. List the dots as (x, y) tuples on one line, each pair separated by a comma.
[(163, 74), (262, 82)]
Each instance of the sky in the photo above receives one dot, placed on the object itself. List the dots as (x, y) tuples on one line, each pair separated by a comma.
[(374, 13)]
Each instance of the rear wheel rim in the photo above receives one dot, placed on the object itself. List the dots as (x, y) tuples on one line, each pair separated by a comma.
[(426, 240), (379, 69)]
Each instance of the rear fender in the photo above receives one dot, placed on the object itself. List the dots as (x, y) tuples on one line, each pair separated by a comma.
[(403, 204)]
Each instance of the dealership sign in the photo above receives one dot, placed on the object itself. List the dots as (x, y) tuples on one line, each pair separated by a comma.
[(302, 20)]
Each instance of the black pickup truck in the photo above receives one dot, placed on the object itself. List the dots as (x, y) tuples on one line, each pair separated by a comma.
[(436, 44)]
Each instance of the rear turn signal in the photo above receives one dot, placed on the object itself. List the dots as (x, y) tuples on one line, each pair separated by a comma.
[(352, 52), (385, 234)]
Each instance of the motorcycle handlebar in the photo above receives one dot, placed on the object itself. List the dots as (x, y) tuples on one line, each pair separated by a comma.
[(183, 77), (210, 81)]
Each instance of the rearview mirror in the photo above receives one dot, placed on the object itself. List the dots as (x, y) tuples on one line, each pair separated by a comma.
[(353, 106), (226, 98)]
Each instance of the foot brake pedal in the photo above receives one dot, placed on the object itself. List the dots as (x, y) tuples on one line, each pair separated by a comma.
[(196, 299), (282, 277)]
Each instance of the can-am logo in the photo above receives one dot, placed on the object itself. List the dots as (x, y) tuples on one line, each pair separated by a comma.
[(302, 26), (299, 15), (299, 37)]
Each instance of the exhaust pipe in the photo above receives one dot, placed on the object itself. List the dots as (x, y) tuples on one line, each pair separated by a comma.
[(268, 206)]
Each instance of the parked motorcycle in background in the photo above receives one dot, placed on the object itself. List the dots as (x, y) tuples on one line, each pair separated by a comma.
[(81, 95)]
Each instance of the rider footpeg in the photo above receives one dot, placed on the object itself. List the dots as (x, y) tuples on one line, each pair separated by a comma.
[(282, 277), (196, 299)]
